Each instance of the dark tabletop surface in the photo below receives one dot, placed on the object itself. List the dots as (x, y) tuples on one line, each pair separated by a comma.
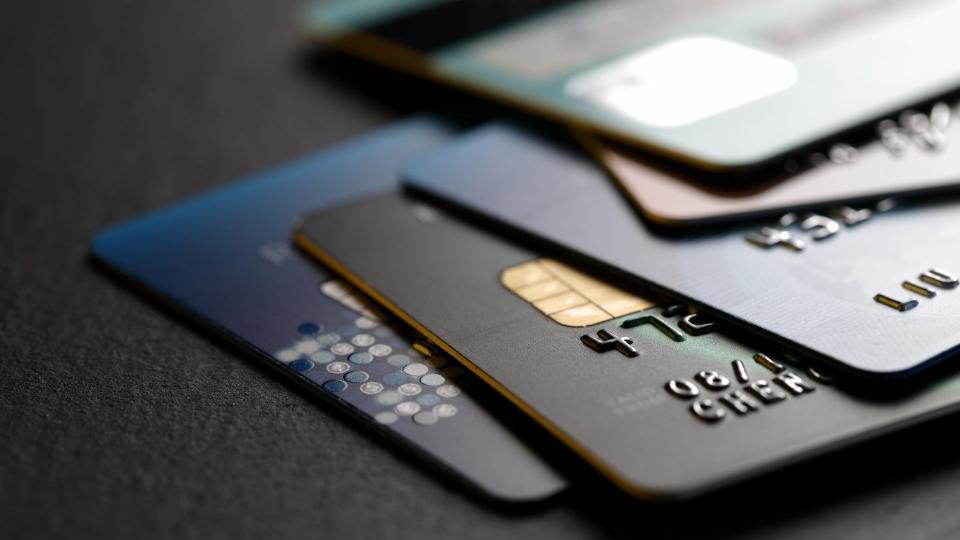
[(116, 420)]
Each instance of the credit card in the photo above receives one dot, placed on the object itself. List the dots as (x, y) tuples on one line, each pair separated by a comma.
[(656, 397), (224, 259), (870, 290), (916, 154), (723, 85)]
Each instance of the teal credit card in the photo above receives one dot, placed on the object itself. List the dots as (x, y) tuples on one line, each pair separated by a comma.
[(725, 85)]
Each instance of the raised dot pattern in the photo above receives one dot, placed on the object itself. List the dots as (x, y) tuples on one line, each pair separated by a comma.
[(395, 379)]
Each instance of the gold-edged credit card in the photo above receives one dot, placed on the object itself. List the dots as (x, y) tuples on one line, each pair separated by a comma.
[(657, 397)]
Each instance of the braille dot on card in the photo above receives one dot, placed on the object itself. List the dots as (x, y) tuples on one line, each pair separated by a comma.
[(385, 417), (322, 357), (361, 358), (407, 408), (371, 387), (395, 378), (357, 377), (389, 397), (366, 323), (338, 367), (432, 379), (448, 391), (363, 340), (444, 410), (334, 385), (428, 400), (301, 365), (409, 389), (307, 346), (287, 355), (328, 338), (398, 360), (342, 349), (425, 418), (380, 350), (416, 369), (308, 328)]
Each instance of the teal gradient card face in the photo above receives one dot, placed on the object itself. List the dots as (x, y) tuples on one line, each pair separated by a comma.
[(726, 85), (225, 259)]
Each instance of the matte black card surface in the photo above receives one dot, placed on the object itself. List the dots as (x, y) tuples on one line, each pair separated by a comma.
[(658, 399), (224, 258), (871, 290)]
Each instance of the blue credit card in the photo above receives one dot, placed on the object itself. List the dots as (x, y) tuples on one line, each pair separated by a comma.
[(225, 259), (838, 287)]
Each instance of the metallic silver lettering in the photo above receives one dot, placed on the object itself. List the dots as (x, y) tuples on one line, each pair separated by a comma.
[(657, 323), (940, 278), (697, 324), (712, 380), (821, 227), (851, 217), (768, 237), (739, 402), (607, 340), (762, 390), (793, 383), (707, 410), (740, 372), (843, 153), (682, 388)]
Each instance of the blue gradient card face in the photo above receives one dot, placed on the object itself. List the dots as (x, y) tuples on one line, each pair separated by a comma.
[(838, 287), (225, 258)]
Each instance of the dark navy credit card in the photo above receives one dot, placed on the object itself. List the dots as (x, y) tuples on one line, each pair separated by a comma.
[(661, 399), (224, 258), (871, 290)]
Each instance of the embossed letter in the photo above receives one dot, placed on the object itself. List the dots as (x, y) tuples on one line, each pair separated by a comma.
[(707, 410), (739, 402), (793, 383), (682, 388), (940, 278)]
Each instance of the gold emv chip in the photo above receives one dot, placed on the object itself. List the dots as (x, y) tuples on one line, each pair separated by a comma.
[(569, 296)]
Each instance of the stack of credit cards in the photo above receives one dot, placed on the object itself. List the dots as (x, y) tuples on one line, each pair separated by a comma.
[(734, 248)]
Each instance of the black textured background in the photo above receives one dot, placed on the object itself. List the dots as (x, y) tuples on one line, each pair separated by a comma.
[(118, 421)]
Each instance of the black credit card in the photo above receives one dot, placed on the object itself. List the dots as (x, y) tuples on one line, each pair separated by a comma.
[(224, 259), (656, 397), (869, 290)]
